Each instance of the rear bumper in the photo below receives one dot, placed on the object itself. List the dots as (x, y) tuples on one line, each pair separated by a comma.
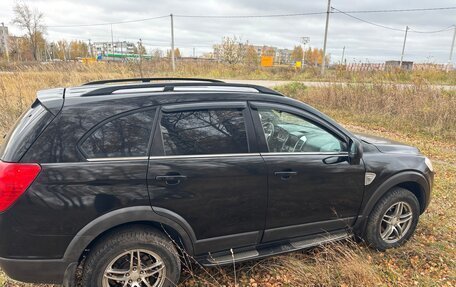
[(40, 271)]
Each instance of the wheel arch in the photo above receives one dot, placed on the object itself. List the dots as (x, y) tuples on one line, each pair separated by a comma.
[(413, 181), (144, 215), (417, 190)]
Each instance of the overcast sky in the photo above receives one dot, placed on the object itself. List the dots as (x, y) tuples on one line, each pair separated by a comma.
[(363, 42)]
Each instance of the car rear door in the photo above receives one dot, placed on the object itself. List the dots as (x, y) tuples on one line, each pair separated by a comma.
[(312, 186), (205, 172)]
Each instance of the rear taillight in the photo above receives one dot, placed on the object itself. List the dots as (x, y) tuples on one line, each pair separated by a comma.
[(15, 178)]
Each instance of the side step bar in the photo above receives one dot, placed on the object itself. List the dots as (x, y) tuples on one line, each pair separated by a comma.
[(223, 258)]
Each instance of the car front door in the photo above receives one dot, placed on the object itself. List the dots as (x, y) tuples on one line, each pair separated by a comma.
[(312, 186), (205, 171)]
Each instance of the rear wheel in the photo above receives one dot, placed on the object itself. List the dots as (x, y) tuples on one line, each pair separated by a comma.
[(393, 220), (132, 258)]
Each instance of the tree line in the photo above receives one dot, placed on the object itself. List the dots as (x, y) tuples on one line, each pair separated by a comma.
[(233, 51), (33, 46)]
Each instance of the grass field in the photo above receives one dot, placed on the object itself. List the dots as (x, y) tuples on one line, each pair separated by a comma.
[(219, 70), (417, 115)]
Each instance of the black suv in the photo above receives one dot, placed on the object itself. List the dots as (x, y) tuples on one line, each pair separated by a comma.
[(126, 176)]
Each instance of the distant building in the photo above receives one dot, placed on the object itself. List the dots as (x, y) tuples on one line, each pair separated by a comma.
[(3, 37), (281, 56), (103, 48), (406, 65)]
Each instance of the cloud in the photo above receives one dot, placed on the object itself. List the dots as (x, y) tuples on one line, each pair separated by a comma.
[(362, 41)]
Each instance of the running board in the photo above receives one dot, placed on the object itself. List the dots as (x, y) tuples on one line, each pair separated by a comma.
[(243, 254)]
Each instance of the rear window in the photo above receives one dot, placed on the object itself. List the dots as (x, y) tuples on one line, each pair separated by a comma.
[(218, 131), (125, 136), (27, 128)]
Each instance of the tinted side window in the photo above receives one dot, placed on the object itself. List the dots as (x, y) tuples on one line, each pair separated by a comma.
[(285, 132), (126, 136), (217, 131)]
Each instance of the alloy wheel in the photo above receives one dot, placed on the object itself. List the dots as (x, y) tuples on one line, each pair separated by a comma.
[(135, 268), (396, 222)]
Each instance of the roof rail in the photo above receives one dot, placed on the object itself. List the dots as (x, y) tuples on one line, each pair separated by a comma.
[(169, 87), (148, 80)]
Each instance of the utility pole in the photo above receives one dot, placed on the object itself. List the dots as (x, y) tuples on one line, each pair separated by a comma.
[(51, 54), (451, 50), (403, 46), (112, 44), (173, 61), (323, 62), (343, 55), (90, 49), (5, 42), (140, 48), (304, 41)]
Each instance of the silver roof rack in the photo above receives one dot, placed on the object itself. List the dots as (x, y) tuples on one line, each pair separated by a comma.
[(199, 85)]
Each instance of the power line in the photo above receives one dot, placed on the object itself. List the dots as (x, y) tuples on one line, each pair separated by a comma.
[(435, 31), (259, 16), (315, 13), (391, 28), (250, 16), (107, 24), (401, 10), (368, 22)]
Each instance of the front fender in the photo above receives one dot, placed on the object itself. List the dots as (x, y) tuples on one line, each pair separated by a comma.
[(369, 201)]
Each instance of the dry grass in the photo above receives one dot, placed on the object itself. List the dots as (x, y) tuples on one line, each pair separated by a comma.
[(337, 264), (415, 109), (418, 115), (219, 70)]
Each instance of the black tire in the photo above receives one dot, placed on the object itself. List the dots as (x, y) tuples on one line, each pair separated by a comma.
[(374, 223), (123, 240)]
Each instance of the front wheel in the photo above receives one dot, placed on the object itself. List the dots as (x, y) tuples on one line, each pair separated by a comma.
[(132, 258), (393, 220)]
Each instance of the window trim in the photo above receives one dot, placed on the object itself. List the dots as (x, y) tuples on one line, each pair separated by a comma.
[(264, 150), (209, 155), (157, 148), (110, 119), (130, 158), (326, 153), (173, 108)]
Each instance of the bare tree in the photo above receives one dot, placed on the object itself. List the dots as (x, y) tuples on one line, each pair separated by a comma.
[(31, 21), (157, 54), (230, 51)]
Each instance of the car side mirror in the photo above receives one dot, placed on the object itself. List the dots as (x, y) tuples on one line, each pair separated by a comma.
[(355, 151)]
